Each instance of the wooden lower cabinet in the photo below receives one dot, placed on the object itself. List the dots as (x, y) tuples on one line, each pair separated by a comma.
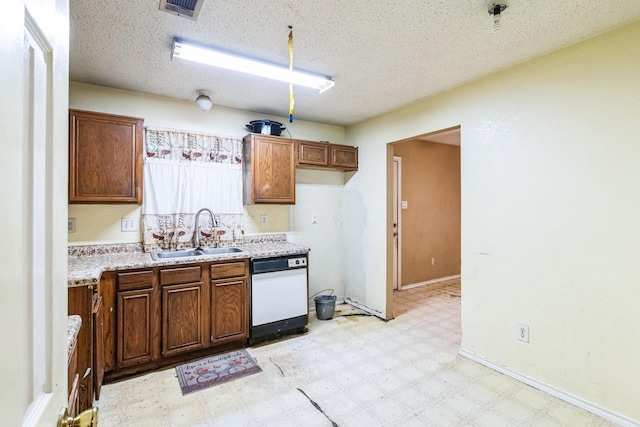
[(181, 318), (229, 301), (165, 314), (182, 309), (229, 311), (98, 340), (135, 327), (80, 302)]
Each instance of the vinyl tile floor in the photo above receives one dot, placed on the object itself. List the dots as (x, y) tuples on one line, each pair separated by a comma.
[(353, 370)]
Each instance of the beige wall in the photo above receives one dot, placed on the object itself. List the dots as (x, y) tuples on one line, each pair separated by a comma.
[(550, 215), (430, 228), (319, 193), (101, 223)]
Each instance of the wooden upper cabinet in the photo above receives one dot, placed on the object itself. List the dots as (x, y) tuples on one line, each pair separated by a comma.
[(105, 158), (313, 153), (269, 170), (344, 157), (327, 156)]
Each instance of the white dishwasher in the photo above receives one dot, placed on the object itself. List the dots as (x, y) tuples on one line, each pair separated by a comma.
[(279, 296)]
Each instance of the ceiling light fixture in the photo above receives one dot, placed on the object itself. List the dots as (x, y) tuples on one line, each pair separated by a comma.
[(204, 102), (496, 10), (218, 58)]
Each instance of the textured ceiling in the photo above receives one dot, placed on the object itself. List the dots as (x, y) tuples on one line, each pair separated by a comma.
[(381, 54)]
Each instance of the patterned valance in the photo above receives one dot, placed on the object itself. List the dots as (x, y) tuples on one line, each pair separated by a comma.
[(191, 146)]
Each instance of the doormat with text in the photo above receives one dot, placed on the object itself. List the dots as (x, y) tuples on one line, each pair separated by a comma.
[(215, 370)]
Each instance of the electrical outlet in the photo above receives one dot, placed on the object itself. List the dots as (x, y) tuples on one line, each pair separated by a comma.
[(523, 332), (263, 219), (71, 225), (433, 261), (314, 219), (404, 204), (128, 224)]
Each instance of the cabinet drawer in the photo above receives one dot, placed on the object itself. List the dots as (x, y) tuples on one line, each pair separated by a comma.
[(135, 280), (228, 269), (174, 276)]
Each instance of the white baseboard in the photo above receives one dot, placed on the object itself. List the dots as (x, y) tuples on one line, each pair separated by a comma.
[(563, 395), (429, 282)]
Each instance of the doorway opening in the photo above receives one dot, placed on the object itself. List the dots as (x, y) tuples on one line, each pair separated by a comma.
[(397, 203), (425, 209)]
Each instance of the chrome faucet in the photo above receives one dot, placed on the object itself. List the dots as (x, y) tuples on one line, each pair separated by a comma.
[(196, 234)]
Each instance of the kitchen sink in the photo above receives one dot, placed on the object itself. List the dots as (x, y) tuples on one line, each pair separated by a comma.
[(194, 252)]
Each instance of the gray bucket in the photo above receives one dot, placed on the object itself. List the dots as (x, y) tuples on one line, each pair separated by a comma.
[(325, 306)]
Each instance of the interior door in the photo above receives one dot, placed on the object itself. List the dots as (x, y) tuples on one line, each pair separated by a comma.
[(33, 160)]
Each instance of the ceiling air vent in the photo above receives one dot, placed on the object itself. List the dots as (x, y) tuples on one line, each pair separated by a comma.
[(186, 8)]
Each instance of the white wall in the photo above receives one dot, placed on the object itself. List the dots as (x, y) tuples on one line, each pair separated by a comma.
[(322, 200), (34, 73), (550, 215)]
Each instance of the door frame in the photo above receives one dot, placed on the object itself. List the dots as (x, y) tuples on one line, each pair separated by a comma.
[(397, 223)]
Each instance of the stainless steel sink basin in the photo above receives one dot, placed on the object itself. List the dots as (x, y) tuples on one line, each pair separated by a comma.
[(193, 252)]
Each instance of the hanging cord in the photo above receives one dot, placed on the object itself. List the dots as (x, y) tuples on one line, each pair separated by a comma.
[(291, 101), (317, 293)]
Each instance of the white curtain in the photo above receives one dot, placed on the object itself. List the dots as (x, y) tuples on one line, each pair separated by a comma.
[(184, 172)]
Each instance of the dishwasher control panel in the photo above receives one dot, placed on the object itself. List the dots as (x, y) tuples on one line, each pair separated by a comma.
[(270, 264), (297, 262)]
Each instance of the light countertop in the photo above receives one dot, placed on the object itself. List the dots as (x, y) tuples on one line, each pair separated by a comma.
[(86, 264)]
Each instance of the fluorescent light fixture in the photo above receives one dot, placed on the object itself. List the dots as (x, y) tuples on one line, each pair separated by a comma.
[(218, 58)]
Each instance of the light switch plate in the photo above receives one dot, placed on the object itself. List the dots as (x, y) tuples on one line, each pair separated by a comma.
[(523, 332), (405, 204), (128, 224)]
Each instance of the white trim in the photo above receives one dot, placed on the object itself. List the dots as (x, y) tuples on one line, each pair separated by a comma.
[(560, 394), (36, 409), (364, 308), (429, 282)]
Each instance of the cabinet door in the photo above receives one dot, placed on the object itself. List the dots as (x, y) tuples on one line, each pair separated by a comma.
[(80, 302), (229, 311), (181, 318), (98, 348), (313, 153), (135, 327), (269, 171), (344, 157), (105, 158)]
